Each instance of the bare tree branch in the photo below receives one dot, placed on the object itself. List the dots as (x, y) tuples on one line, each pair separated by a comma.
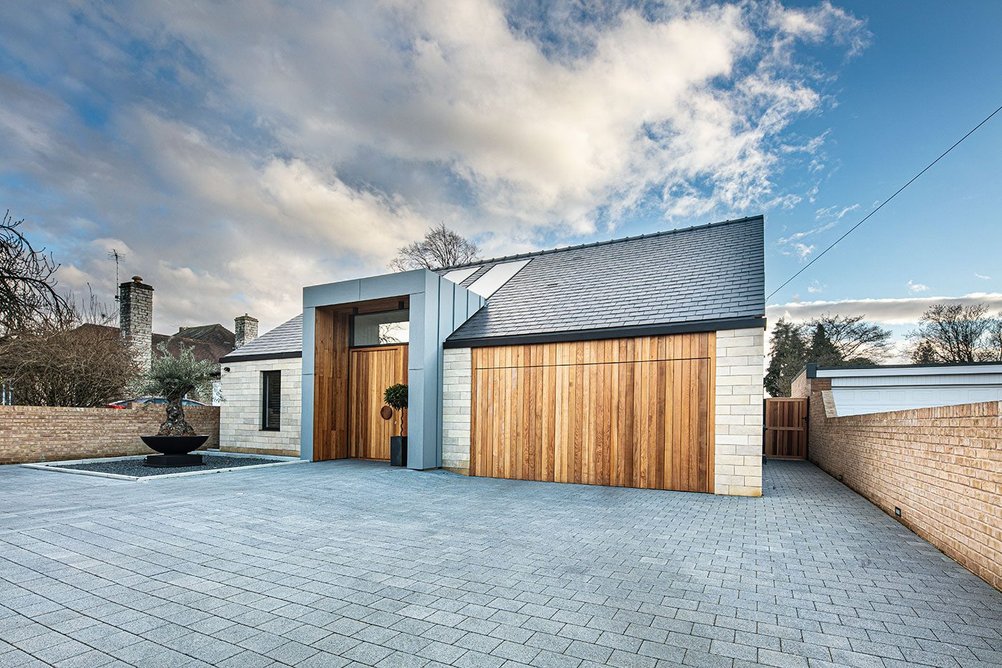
[(441, 247), (954, 333), (28, 294)]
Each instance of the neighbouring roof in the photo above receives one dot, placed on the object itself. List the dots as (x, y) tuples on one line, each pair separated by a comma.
[(286, 340), (209, 342), (698, 274)]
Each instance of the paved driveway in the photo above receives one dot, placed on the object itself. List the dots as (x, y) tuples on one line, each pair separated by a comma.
[(352, 563)]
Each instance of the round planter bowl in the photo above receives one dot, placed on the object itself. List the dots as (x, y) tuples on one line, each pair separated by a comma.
[(174, 450)]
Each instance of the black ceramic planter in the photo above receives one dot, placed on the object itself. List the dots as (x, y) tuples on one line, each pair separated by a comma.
[(174, 450), (398, 451)]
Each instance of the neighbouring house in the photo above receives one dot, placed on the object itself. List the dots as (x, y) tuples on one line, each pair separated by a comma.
[(636, 362), (135, 318), (897, 387)]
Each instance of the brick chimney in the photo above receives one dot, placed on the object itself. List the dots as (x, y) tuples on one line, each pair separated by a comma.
[(245, 328), (135, 319)]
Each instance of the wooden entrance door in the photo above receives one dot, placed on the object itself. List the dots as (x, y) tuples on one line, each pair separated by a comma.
[(785, 428), (371, 371), (627, 412)]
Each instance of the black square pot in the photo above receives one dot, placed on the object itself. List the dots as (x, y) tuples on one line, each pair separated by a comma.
[(398, 451)]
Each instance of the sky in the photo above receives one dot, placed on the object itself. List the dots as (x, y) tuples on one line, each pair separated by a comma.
[(235, 152)]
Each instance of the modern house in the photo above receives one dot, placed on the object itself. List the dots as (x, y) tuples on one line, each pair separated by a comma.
[(636, 362)]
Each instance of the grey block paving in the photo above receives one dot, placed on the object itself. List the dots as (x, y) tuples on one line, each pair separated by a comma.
[(354, 563)]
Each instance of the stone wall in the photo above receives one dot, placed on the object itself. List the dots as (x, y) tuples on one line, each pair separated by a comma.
[(457, 379), (240, 408), (738, 420), (46, 434), (942, 467)]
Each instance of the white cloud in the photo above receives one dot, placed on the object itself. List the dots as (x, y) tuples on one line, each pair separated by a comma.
[(341, 131), (887, 311), (815, 287), (982, 276), (915, 288)]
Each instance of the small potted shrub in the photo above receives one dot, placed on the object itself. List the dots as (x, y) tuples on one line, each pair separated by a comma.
[(396, 398), (173, 378)]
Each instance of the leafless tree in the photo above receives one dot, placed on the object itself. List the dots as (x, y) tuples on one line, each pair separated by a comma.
[(954, 333), (66, 363), (849, 338), (28, 295), (441, 247)]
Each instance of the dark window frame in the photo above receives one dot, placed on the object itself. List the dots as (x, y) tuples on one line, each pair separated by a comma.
[(267, 379), (351, 329)]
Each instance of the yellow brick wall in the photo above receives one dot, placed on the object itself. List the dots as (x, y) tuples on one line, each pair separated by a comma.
[(46, 434), (941, 466)]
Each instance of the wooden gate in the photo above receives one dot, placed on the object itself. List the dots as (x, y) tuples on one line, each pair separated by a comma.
[(372, 370), (625, 412), (785, 434)]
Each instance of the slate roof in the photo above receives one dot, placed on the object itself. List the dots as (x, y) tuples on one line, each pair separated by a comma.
[(286, 340), (684, 276)]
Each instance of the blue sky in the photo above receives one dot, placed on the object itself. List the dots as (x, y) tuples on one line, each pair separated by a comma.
[(235, 153)]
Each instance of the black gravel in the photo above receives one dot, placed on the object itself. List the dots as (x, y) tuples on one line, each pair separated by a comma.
[(135, 468)]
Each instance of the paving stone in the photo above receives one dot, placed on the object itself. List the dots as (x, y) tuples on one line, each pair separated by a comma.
[(313, 567)]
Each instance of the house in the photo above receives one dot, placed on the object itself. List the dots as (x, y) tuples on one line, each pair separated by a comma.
[(636, 362), (135, 317), (866, 390)]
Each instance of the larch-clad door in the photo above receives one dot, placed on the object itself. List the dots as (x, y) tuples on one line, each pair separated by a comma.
[(371, 371), (626, 412)]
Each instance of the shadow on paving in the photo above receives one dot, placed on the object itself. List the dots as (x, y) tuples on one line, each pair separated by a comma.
[(355, 563)]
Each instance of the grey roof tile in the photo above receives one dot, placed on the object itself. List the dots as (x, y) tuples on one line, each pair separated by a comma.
[(285, 339), (689, 275)]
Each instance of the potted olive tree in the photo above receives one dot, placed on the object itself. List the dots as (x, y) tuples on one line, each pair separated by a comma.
[(174, 378), (396, 398)]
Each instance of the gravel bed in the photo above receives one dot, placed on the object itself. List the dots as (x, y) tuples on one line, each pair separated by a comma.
[(134, 467)]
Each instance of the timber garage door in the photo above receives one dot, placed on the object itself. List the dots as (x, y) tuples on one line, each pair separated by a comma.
[(626, 412)]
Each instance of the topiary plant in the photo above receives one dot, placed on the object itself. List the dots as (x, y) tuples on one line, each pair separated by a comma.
[(395, 397), (173, 378)]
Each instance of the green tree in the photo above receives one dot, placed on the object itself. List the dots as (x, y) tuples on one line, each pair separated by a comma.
[(827, 340), (822, 350), (787, 356), (175, 378)]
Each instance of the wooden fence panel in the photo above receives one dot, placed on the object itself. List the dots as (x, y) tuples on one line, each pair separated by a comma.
[(785, 433)]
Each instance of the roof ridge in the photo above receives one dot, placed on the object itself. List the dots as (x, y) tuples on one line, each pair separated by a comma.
[(605, 242)]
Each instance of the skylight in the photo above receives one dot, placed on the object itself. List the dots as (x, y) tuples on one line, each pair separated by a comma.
[(496, 276)]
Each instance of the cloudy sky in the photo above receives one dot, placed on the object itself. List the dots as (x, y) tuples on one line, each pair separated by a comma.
[(234, 152)]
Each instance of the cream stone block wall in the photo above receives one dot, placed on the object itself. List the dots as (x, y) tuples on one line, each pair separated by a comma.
[(738, 420), (457, 380), (240, 409)]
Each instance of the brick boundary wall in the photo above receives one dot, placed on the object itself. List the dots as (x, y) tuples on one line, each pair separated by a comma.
[(941, 466), (46, 434)]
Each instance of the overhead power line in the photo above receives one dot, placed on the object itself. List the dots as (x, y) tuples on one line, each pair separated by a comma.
[(881, 206)]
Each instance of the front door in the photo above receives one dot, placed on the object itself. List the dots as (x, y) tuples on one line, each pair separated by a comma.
[(371, 371)]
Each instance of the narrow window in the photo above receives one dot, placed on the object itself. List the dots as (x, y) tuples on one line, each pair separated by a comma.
[(271, 400)]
